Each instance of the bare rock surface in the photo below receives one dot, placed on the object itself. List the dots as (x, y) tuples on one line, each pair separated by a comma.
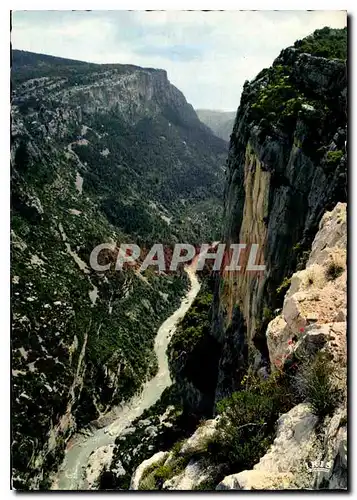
[(314, 311), (297, 454)]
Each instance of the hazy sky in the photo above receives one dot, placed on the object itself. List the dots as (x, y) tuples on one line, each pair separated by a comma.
[(208, 55)]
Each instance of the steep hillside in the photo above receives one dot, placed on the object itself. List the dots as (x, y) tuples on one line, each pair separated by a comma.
[(110, 153), (220, 122), (138, 135)]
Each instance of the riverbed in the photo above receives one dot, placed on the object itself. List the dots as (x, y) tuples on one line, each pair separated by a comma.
[(71, 473)]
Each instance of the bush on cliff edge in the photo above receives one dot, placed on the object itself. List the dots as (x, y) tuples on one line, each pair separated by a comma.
[(247, 424)]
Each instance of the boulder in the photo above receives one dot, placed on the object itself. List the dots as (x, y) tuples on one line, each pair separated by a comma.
[(158, 458), (256, 480), (198, 441), (195, 474), (315, 306)]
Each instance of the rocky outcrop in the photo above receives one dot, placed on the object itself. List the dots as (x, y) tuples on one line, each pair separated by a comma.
[(330, 471), (292, 447), (300, 458), (198, 441), (185, 468), (314, 310), (157, 459), (198, 474), (131, 91)]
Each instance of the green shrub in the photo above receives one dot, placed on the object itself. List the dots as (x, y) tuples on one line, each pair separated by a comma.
[(274, 97), (155, 475), (207, 485), (163, 473), (293, 106), (148, 483), (325, 42), (268, 315), (283, 287), (314, 383), (333, 158), (149, 480), (335, 267), (175, 450), (247, 424)]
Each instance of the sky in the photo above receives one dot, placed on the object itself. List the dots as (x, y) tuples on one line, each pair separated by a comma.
[(207, 55)]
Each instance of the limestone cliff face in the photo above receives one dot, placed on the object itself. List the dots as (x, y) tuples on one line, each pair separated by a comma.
[(131, 91), (286, 166)]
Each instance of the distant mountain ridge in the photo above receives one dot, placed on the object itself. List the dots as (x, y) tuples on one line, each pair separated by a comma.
[(220, 122), (28, 65)]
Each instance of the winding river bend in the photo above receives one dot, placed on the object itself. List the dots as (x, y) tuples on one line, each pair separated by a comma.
[(70, 475)]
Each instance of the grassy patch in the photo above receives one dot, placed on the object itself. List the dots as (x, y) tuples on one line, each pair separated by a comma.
[(314, 383), (333, 158), (335, 267), (247, 424), (155, 476)]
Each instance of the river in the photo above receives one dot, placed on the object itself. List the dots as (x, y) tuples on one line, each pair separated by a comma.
[(71, 472)]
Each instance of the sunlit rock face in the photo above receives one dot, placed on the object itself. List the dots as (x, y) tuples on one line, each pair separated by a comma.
[(315, 305)]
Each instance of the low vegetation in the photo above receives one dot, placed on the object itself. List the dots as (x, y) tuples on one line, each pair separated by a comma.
[(247, 424), (325, 42), (283, 287), (154, 477), (335, 266), (314, 383), (333, 158), (193, 352)]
